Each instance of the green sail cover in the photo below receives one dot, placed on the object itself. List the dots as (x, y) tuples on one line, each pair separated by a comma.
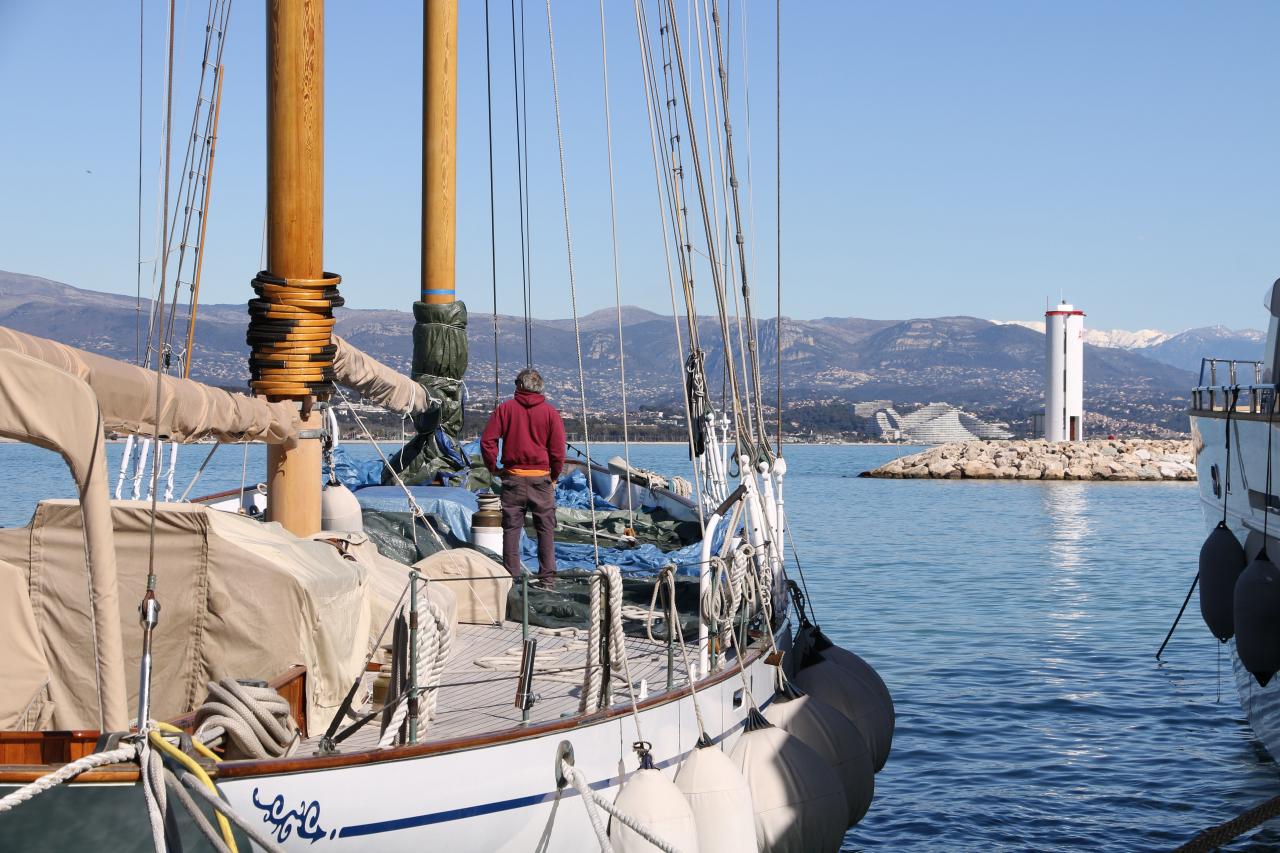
[(439, 364)]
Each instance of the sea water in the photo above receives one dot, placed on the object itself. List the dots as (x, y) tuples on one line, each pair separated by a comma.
[(1016, 624)]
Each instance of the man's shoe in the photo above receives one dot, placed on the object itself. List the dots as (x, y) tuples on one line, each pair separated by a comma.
[(545, 584)]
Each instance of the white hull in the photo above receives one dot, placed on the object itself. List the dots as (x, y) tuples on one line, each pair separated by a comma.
[(500, 797), (1245, 488)]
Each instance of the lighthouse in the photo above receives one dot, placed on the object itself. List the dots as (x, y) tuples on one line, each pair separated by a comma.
[(1064, 373)]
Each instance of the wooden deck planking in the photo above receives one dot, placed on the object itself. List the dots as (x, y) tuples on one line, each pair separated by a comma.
[(474, 699)]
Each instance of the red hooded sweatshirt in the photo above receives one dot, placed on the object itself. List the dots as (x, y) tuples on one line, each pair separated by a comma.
[(532, 435)]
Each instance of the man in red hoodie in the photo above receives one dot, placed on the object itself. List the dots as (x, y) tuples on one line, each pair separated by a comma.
[(532, 435)]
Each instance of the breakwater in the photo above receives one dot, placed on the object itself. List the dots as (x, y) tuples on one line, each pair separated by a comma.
[(1100, 459)]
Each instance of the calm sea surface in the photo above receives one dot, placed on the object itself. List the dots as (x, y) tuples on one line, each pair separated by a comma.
[(1015, 623)]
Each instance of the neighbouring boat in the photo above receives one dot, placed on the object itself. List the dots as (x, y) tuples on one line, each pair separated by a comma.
[(1233, 427), (352, 667)]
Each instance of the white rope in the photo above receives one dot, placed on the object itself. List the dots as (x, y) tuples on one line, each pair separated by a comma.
[(665, 181), (67, 772), (573, 284), (126, 455), (579, 782), (260, 838), (173, 464), (590, 698), (152, 779), (617, 276), (417, 510), (592, 798), (667, 576), (433, 651), (257, 720), (173, 786)]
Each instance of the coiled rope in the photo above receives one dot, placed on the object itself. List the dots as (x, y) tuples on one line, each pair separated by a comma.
[(256, 720), (433, 651), (290, 333)]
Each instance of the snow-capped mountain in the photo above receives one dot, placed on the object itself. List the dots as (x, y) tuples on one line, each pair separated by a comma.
[(1116, 338), (1180, 349)]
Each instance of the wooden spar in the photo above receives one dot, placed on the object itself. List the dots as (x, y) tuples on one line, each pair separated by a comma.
[(204, 222), (295, 221), (439, 141)]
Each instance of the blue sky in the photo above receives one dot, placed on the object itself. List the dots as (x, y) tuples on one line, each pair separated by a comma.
[(938, 157)]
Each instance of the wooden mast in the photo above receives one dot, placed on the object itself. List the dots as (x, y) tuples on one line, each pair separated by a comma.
[(295, 222), (439, 141)]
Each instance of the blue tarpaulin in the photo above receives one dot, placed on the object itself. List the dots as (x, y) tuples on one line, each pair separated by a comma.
[(453, 508), (356, 473), (572, 491)]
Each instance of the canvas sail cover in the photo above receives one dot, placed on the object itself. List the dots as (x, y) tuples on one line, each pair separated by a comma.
[(376, 382), (47, 407), (188, 410), (239, 598), (24, 672)]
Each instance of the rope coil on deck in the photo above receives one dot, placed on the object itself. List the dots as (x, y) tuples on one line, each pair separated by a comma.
[(290, 333), (256, 720)]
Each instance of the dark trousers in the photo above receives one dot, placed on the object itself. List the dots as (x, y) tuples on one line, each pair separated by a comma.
[(538, 496)]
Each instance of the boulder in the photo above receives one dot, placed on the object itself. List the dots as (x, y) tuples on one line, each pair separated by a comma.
[(979, 470)]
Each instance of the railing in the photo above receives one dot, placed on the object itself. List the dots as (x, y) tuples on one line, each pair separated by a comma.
[(1231, 367)]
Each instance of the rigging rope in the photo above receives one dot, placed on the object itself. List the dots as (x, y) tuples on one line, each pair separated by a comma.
[(777, 49), (573, 284), (138, 267), (617, 277), (667, 580), (664, 180), (754, 357), (493, 226), (520, 105), (739, 422)]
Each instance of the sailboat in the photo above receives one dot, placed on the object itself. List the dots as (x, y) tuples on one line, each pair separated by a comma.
[(252, 669)]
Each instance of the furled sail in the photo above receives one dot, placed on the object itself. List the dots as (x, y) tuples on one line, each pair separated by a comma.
[(378, 383), (188, 410), (439, 363)]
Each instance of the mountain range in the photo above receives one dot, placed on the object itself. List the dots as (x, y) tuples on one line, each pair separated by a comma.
[(995, 368), (1180, 349)]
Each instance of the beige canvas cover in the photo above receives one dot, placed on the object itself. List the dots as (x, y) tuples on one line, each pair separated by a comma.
[(238, 598), (24, 672), (44, 406), (188, 410), (479, 584), (387, 580), (378, 383)]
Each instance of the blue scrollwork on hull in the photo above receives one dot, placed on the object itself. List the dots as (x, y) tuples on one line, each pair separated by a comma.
[(304, 820)]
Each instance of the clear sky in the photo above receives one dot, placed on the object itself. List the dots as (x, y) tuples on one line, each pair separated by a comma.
[(938, 157)]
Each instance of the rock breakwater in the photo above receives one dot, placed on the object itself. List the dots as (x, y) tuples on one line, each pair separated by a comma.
[(1102, 459)]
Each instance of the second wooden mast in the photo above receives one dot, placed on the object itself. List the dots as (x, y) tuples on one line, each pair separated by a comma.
[(439, 144)]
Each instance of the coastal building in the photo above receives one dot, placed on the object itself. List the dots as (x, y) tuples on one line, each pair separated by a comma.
[(935, 423), (1064, 373)]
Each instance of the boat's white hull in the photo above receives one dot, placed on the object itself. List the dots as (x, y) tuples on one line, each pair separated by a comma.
[(1244, 486), (500, 797)]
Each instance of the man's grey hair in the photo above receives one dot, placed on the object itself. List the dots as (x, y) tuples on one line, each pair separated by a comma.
[(529, 380)]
